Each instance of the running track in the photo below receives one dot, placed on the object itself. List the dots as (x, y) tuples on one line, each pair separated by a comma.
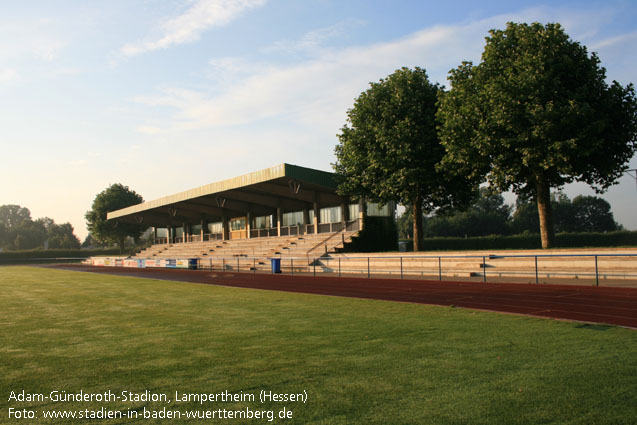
[(616, 306)]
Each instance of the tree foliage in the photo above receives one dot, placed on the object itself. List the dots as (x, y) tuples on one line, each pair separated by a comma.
[(488, 215), (18, 231), (535, 114), (389, 149), (114, 197), (582, 214)]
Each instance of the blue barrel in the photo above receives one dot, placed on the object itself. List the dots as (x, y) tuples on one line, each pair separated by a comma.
[(276, 265)]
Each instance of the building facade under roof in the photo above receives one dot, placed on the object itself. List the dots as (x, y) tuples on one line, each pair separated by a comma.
[(277, 201)]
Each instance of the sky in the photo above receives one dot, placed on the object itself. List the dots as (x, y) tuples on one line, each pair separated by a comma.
[(167, 95)]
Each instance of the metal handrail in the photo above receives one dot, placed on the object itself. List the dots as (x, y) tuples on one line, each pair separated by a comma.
[(368, 262), (324, 242)]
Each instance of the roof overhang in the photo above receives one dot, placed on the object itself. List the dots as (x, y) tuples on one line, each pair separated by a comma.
[(285, 186)]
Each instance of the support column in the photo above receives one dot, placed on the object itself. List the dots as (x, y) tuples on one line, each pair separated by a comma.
[(278, 221), (344, 211), (185, 235), (362, 213), (306, 219), (204, 224), (317, 212), (224, 230), (248, 224), (154, 235), (169, 230)]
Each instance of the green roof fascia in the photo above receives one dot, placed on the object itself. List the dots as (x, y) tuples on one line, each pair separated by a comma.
[(309, 175)]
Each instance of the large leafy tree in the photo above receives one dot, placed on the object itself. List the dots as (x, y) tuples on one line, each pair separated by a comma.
[(389, 148), (113, 198), (537, 113)]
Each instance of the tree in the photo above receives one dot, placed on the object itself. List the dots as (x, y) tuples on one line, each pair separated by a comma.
[(110, 199), (19, 231), (488, 215), (62, 236), (28, 234), (593, 214), (526, 220), (389, 149), (535, 114), (11, 216), (583, 214)]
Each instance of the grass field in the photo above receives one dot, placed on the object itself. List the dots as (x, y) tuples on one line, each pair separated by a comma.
[(359, 361)]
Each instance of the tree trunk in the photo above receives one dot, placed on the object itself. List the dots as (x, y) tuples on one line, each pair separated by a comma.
[(417, 223), (544, 211)]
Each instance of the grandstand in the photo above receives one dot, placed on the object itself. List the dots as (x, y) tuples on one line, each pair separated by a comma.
[(281, 211)]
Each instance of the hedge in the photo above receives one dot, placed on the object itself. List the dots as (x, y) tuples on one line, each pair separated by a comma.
[(37, 254), (528, 241)]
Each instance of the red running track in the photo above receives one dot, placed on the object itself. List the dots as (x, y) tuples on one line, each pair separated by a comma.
[(616, 306)]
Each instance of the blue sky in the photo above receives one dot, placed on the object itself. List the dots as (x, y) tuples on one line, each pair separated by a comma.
[(167, 95)]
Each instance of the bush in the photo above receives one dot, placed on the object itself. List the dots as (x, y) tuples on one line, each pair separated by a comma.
[(41, 254)]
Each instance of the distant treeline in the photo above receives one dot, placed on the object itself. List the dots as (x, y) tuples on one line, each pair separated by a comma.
[(41, 254), (489, 215), (18, 231)]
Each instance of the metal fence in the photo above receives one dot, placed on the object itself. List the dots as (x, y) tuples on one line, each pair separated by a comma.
[(540, 268)]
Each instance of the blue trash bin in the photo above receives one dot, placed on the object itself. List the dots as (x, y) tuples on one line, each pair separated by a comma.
[(276, 265), (192, 263)]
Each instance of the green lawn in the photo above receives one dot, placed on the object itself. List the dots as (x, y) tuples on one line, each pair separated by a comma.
[(360, 361)]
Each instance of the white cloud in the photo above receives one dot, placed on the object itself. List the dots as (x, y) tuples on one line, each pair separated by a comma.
[(148, 129), (624, 38), (314, 41), (8, 74), (316, 93), (38, 40), (189, 26)]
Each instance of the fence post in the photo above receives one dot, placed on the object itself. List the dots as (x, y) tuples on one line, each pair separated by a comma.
[(254, 266), (484, 270), (238, 265), (439, 269), (223, 264), (339, 266), (367, 267), (315, 267), (292, 266), (401, 267), (596, 273), (537, 281)]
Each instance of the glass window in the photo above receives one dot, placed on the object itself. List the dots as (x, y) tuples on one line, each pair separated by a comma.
[(238, 223), (292, 218), (195, 229), (264, 222), (179, 232), (331, 215), (215, 228), (375, 209), (354, 209), (311, 216), (162, 232)]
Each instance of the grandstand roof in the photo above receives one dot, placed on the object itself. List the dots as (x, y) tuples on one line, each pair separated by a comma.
[(285, 186)]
